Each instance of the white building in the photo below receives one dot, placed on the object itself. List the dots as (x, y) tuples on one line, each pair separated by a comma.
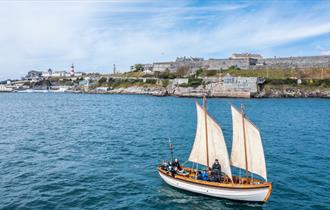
[(78, 74), (240, 83), (48, 73), (180, 81), (72, 71), (60, 74), (246, 56), (102, 89), (5, 88), (147, 71)]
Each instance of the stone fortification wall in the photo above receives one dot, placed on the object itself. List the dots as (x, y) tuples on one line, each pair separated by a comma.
[(173, 66), (225, 63), (164, 66), (293, 62), (304, 62)]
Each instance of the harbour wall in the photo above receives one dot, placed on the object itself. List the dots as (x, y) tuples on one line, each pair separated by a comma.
[(294, 62), (303, 62)]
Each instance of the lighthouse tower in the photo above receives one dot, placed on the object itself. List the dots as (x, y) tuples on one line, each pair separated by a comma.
[(72, 70)]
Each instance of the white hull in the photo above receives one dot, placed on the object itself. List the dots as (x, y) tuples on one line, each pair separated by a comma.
[(241, 194)]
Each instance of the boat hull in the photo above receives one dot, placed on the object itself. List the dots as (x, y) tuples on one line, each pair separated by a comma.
[(258, 194)]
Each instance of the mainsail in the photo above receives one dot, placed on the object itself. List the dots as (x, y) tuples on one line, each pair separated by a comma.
[(217, 148), (246, 137)]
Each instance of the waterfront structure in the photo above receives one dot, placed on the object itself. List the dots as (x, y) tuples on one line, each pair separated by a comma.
[(245, 56), (241, 83), (148, 72), (114, 69), (180, 81), (47, 73), (61, 74), (101, 89), (5, 88), (243, 61), (78, 74), (33, 75), (72, 70)]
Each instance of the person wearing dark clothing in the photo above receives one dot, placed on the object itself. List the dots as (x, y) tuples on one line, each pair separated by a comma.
[(171, 169), (176, 165), (164, 165), (216, 165), (216, 171)]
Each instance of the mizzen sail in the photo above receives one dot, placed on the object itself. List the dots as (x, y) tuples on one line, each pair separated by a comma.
[(245, 134), (217, 148)]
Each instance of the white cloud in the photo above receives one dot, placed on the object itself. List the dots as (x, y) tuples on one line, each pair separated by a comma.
[(96, 35), (325, 52)]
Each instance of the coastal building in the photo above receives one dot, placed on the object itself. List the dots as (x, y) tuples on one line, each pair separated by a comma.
[(149, 72), (180, 81), (101, 89), (5, 88), (243, 61), (241, 83), (164, 66), (245, 56), (47, 73), (78, 74), (33, 75), (60, 74), (147, 67), (72, 71)]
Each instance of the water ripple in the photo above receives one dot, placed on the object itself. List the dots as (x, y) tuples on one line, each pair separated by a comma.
[(67, 151)]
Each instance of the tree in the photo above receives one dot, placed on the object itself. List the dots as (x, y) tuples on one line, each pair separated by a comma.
[(182, 71), (199, 72), (234, 67), (103, 80), (138, 67)]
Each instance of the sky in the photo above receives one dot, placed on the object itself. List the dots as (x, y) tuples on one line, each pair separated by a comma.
[(94, 35)]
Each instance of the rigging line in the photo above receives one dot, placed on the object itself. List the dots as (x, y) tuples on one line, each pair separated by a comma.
[(240, 177), (185, 162), (245, 143), (197, 171)]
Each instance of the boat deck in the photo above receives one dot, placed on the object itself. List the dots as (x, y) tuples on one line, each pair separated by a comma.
[(238, 182)]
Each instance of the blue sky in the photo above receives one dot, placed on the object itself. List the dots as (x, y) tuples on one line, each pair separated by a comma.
[(94, 35)]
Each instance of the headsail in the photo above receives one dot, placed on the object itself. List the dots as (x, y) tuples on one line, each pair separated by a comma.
[(255, 152), (217, 148)]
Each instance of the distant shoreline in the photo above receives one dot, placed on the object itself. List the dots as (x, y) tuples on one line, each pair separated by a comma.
[(274, 95)]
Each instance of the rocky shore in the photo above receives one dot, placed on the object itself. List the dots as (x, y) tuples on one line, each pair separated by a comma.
[(155, 91), (293, 92), (267, 92)]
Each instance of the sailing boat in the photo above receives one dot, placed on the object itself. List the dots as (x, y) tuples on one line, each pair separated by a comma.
[(247, 154)]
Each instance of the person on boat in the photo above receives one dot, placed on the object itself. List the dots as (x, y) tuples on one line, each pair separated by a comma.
[(176, 165), (203, 175), (216, 171), (216, 165), (171, 169), (165, 165)]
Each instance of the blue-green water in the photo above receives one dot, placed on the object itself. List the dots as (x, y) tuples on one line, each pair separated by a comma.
[(100, 151)]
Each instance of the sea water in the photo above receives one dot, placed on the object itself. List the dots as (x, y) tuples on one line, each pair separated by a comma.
[(101, 151)]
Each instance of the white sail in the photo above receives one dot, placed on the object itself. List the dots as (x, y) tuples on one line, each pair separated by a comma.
[(217, 148), (255, 152)]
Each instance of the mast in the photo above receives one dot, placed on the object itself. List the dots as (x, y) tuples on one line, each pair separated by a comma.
[(245, 150), (206, 134)]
